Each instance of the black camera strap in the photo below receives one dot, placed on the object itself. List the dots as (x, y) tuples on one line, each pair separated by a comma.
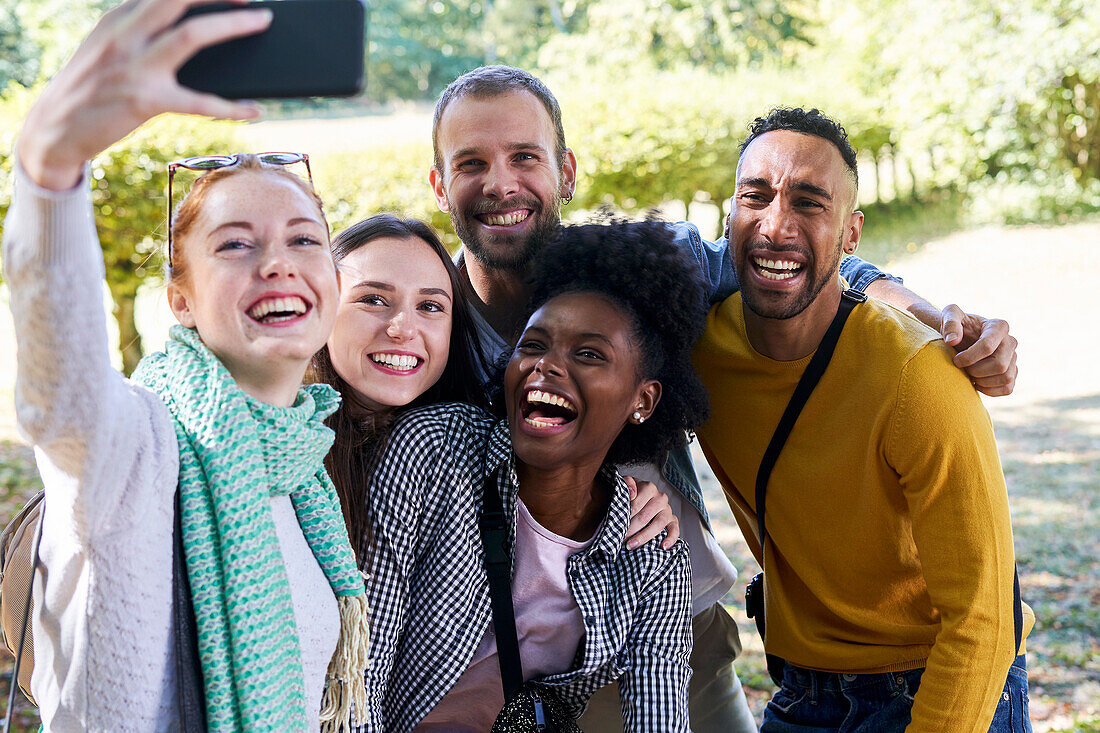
[(498, 566), (802, 391)]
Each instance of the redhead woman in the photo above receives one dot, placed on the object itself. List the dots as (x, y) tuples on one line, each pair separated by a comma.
[(213, 447), (601, 375), (404, 338)]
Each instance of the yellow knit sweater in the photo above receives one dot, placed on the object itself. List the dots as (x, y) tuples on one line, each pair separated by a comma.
[(889, 543)]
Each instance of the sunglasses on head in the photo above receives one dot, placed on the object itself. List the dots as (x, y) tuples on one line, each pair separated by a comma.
[(213, 162)]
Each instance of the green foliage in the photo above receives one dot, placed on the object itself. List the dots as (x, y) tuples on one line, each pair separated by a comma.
[(18, 52), (367, 182), (712, 34), (417, 48), (52, 30), (649, 142), (15, 101), (1001, 97)]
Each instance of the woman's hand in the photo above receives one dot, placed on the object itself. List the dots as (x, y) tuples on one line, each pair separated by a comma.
[(650, 513), (122, 75)]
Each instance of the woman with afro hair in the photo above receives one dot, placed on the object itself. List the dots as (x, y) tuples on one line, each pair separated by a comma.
[(601, 375)]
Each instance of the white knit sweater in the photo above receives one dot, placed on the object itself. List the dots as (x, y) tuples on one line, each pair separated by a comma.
[(107, 453)]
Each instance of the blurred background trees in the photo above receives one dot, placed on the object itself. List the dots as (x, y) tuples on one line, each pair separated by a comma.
[(978, 111)]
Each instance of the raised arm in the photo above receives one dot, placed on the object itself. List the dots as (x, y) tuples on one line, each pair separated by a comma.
[(121, 76), (88, 425), (653, 690), (91, 429), (941, 444)]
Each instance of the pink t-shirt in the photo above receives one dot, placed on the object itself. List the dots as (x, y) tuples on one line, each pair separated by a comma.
[(548, 624)]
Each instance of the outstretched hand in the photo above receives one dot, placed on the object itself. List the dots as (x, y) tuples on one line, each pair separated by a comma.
[(986, 350), (123, 74), (650, 514)]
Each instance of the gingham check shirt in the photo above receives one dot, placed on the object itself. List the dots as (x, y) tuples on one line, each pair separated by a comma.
[(429, 593)]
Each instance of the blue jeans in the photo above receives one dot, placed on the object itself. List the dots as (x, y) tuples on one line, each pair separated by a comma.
[(823, 702)]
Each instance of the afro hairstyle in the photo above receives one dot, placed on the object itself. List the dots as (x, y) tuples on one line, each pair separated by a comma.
[(658, 285)]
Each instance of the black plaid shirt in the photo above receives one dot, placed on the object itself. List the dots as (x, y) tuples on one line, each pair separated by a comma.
[(429, 593)]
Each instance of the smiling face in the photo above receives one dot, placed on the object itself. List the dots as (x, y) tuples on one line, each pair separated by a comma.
[(501, 181), (792, 215), (261, 286), (573, 382), (393, 330)]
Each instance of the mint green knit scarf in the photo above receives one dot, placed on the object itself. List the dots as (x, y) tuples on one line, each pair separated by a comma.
[(235, 453)]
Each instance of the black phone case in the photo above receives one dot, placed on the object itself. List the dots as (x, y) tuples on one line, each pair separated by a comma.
[(313, 48)]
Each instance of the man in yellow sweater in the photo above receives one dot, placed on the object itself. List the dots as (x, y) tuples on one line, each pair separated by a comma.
[(888, 553)]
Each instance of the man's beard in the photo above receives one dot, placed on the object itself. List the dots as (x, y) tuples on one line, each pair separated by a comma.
[(782, 307), (513, 253)]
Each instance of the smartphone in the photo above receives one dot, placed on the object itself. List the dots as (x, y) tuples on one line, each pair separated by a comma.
[(313, 48)]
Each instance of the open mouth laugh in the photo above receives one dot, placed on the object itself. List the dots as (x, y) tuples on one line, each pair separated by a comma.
[(546, 410), (276, 310), (776, 269)]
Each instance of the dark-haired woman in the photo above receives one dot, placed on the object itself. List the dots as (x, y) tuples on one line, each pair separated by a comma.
[(601, 375), (403, 338)]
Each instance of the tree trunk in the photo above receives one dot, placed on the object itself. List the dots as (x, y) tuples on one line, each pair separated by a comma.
[(556, 16), (914, 194), (878, 178), (129, 340), (895, 171)]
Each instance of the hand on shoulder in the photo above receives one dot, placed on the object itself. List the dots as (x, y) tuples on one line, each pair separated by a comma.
[(986, 350)]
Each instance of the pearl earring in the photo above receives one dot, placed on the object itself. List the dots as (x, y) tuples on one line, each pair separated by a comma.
[(638, 416)]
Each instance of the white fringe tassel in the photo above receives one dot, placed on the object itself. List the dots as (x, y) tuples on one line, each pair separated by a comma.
[(345, 681)]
